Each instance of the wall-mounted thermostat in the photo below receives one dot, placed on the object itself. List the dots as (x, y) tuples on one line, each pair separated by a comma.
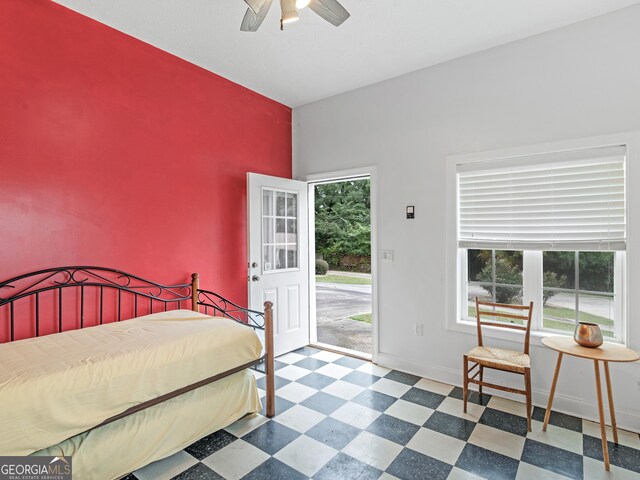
[(410, 211)]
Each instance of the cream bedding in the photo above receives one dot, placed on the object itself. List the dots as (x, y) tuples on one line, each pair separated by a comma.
[(127, 444), (55, 387)]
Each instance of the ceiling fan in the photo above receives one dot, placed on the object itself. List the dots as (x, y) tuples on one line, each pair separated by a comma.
[(330, 10)]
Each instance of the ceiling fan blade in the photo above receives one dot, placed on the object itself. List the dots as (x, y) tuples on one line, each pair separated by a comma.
[(330, 10), (255, 5), (252, 21)]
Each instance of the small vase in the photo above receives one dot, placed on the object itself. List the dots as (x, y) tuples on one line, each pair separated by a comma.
[(588, 334)]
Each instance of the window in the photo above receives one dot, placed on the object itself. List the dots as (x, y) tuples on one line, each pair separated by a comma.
[(549, 229), (495, 276), (574, 286), (279, 230)]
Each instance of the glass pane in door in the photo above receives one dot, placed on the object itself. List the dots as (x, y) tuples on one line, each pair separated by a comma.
[(267, 202), (267, 230), (281, 257), (267, 258), (292, 256), (280, 203), (292, 205), (279, 230)]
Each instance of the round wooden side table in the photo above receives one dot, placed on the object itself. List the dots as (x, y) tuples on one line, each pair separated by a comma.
[(607, 352)]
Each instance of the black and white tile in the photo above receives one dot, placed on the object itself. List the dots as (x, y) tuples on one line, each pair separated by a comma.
[(342, 418)]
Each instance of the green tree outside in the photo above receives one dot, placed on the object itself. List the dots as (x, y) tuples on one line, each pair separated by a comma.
[(596, 272), (343, 220)]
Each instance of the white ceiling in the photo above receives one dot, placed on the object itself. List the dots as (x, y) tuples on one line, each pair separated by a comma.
[(312, 59)]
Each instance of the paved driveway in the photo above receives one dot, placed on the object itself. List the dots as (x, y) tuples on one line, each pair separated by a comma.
[(335, 303)]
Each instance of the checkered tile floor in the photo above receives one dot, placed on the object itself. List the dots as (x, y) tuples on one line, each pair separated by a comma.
[(339, 417)]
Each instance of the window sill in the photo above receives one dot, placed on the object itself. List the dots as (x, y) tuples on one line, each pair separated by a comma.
[(514, 336)]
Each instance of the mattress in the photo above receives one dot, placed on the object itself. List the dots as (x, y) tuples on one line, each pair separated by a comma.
[(125, 445), (57, 386)]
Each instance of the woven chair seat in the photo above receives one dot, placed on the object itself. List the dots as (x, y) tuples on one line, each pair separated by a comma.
[(501, 359)]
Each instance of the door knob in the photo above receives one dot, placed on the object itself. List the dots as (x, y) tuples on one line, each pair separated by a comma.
[(254, 265), (255, 278)]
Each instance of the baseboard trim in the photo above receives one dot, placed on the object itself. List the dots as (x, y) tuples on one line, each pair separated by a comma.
[(570, 405)]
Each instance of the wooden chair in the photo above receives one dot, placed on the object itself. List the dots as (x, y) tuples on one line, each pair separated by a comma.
[(498, 358)]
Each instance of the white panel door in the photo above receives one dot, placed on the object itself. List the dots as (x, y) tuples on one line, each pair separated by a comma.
[(278, 256)]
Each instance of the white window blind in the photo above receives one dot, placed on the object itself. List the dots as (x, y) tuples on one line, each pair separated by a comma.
[(560, 201)]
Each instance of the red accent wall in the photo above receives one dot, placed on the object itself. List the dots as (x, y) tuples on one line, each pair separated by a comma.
[(115, 153)]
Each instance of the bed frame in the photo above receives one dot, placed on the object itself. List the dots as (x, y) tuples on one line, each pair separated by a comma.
[(128, 296)]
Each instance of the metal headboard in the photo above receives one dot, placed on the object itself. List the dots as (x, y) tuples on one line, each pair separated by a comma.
[(139, 296)]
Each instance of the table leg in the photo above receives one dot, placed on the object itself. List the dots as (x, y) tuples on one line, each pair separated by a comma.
[(603, 431), (552, 392), (614, 426)]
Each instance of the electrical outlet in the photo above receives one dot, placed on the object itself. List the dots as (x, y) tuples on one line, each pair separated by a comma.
[(419, 329)]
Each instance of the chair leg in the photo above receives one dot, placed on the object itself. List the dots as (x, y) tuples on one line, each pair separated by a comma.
[(465, 387), (481, 377), (527, 387)]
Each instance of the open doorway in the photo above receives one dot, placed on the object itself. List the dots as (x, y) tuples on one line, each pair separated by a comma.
[(340, 214)]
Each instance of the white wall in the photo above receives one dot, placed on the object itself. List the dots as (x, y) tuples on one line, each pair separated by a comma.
[(579, 81)]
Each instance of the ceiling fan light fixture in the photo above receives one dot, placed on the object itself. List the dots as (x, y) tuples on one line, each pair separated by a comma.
[(290, 18), (330, 10), (289, 12)]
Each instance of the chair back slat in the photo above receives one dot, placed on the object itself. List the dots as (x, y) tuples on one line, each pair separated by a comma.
[(502, 314), (518, 312), (504, 325), (506, 305)]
